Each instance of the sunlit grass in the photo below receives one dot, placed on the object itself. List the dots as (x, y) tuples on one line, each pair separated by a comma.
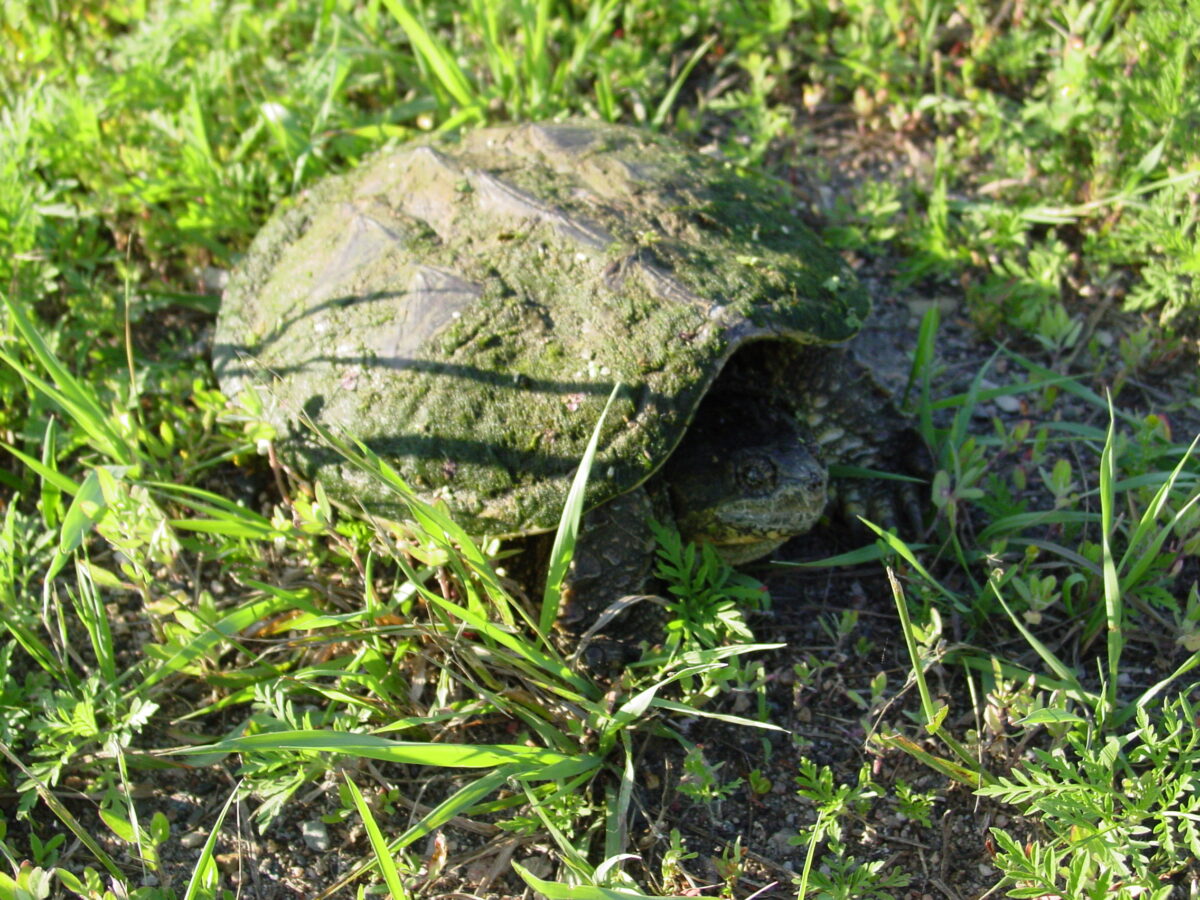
[(1052, 173)]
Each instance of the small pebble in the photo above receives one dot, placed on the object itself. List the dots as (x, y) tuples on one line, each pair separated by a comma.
[(212, 280), (1009, 403), (780, 842), (538, 866), (193, 839), (315, 835)]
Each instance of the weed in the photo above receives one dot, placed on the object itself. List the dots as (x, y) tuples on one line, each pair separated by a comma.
[(711, 598), (914, 804), (1121, 809), (842, 877), (1100, 790), (702, 783), (839, 874)]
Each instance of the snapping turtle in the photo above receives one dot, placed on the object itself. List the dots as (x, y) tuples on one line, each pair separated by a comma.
[(465, 309)]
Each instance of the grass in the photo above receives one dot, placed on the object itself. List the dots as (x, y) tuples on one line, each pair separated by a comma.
[(151, 600)]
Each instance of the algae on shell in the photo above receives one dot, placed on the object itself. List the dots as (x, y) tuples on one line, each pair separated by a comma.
[(465, 309)]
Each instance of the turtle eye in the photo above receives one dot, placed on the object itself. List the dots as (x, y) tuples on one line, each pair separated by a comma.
[(755, 474)]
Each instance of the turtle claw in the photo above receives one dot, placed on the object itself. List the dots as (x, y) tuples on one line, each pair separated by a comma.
[(605, 655), (893, 504)]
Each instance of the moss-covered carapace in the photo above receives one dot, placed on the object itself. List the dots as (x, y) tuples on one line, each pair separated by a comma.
[(465, 307)]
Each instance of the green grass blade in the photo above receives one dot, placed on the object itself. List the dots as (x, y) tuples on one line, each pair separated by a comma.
[(1138, 558), (383, 854), (668, 100), (87, 509), (537, 68), (616, 820), (568, 526), (606, 101), (67, 392), (1154, 690), (960, 426), (914, 655), (60, 481), (205, 876), (10, 616), (462, 551), (870, 553), (29, 641), (935, 713), (1074, 557), (920, 374), (638, 705), (572, 857), (420, 753), (64, 815), (51, 499), (89, 608), (445, 69), (1014, 672), (598, 22), (905, 552), (242, 529), (1057, 666), (522, 648), (1021, 523), (226, 628), (499, 58), (225, 516), (684, 710), (458, 803), (940, 764), (462, 802), (553, 890), (1047, 377), (1061, 215), (1113, 605)]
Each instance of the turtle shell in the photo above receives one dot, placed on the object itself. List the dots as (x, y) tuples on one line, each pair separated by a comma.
[(465, 308)]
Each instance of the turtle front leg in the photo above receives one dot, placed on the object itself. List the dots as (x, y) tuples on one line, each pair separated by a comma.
[(856, 423), (613, 558)]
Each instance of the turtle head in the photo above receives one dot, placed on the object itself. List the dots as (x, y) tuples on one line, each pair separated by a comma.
[(745, 478)]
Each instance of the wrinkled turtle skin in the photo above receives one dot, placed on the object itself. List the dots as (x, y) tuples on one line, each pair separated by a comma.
[(465, 308)]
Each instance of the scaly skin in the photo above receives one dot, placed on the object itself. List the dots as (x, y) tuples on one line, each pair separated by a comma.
[(852, 420), (745, 478), (749, 474)]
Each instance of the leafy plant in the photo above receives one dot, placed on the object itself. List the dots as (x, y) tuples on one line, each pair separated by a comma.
[(1121, 809), (711, 599), (702, 783), (839, 873)]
